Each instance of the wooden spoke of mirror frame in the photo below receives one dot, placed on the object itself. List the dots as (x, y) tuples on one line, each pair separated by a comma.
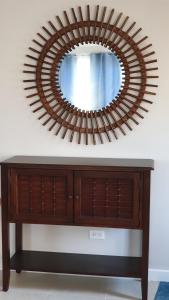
[(107, 29)]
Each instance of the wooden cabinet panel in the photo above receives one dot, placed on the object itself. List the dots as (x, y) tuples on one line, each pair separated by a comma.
[(107, 198), (41, 194), (60, 196)]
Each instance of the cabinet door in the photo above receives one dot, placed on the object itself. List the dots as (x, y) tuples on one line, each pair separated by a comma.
[(107, 199), (41, 196)]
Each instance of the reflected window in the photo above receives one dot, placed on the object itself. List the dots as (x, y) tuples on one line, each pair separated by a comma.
[(82, 87), (90, 81)]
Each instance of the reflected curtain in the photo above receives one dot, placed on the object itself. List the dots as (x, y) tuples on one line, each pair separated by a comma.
[(67, 76), (104, 79)]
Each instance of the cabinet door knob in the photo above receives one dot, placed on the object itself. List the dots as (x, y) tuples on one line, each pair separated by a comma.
[(77, 197), (70, 197)]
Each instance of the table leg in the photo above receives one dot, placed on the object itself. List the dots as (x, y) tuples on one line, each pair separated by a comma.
[(5, 231), (144, 285), (5, 255), (18, 242), (145, 239)]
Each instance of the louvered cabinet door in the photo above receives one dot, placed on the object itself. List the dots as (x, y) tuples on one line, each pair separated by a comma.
[(107, 199), (41, 196)]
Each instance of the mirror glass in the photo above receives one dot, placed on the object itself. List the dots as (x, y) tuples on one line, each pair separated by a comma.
[(90, 76)]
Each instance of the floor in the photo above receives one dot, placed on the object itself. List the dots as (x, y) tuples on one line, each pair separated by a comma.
[(33, 286)]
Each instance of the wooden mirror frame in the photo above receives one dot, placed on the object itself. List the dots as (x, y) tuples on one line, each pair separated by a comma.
[(123, 40)]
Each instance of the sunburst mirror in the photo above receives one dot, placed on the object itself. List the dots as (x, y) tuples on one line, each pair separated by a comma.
[(90, 75)]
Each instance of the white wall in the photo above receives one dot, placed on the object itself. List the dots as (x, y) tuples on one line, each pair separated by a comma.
[(21, 133)]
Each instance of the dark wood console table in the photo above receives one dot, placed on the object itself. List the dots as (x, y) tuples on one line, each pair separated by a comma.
[(76, 191)]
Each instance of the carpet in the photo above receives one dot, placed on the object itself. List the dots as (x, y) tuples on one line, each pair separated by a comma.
[(163, 291)]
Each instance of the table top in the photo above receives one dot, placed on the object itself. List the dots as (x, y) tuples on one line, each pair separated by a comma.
[(81, 161)]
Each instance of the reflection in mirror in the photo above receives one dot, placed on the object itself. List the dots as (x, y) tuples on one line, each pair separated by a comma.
[(90, 76)]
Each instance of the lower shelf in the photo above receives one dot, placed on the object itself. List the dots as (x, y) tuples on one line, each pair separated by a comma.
[(70, 263)]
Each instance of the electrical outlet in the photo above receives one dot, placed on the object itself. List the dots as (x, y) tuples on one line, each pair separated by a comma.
[(97, 235)]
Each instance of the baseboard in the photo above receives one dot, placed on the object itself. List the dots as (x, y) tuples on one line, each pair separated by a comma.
[(158, 275)]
